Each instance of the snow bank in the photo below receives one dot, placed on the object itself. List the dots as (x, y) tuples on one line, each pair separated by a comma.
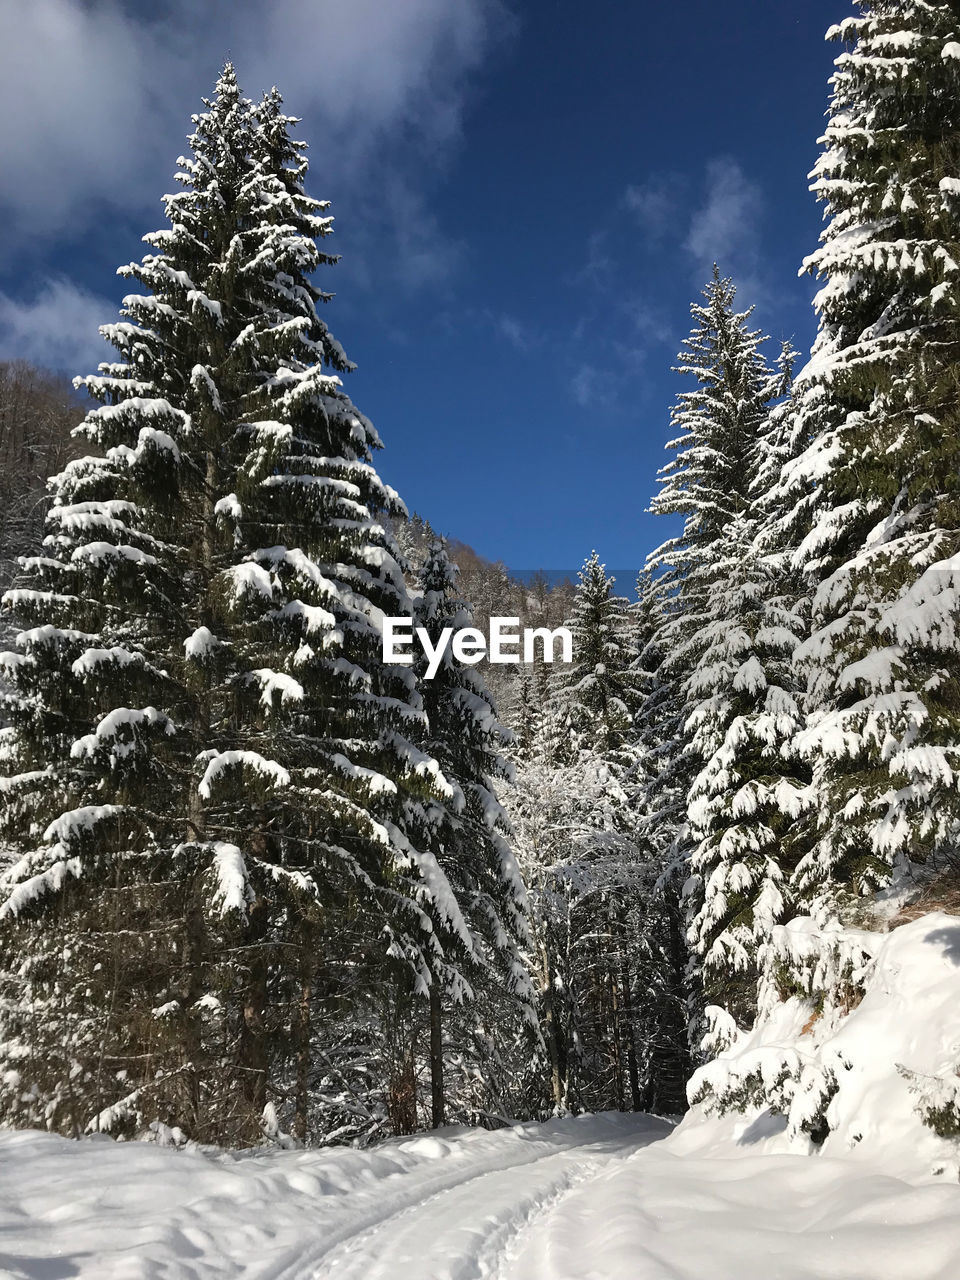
[(741, 1196), (852, 1076)]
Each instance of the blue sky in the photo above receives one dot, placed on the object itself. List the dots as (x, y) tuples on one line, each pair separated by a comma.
[(527, 197)]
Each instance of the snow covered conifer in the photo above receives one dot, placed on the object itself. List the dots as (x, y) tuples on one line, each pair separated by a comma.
[(573, 807), (877, 408), (208, 758), (592, 699), (743, 804), (710, 617), (471, 830), (745, 707), (720, 422)]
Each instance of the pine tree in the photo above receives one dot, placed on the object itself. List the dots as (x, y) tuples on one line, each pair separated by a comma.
[(709, 612), (744, 802), (718, 422), (658, 918), (746, 708), (471, 831), (210, 763), (592, 699), (576, 856), (878, 415)]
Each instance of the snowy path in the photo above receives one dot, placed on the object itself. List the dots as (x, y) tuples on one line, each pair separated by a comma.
[(463, 1223), (595, 1198)]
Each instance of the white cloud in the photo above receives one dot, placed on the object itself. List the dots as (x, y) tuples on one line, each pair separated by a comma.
[(95, 98), (648, 320), (590, 386), (656, 202), (597, 269), (724, 228), (57, 328), (515, 333)]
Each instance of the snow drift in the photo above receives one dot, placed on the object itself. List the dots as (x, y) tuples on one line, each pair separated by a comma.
[(869, 1071)]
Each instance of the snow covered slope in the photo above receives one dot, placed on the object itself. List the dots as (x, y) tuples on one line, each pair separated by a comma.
[(595, 1198), (861, 1067)]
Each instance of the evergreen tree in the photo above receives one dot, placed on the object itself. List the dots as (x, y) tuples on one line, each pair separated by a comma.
[(718, 423), (746, 709), (878, 414), (658, 918), (592, 699), (708, 603), (573, 841), (744, 802), (209, 762), (574, 816), (471, 830)]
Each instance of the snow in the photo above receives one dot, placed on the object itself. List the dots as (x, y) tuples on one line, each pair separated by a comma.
[(97, 552), (92, 659), (121, 721), (200, 644), (609, 1197), (233, 892), (229, 507), (267, 770), (277, 684), (882, 1050), (71, 826)]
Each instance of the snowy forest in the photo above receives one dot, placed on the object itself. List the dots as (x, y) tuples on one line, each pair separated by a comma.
[(260, 886)]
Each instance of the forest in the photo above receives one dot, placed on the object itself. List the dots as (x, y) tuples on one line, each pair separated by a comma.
[(261, 887)]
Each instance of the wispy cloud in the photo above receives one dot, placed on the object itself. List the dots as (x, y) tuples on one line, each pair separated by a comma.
[(648, 320), (517, 334), (57, 327), (656, 202), (598, 265), (590, 386), (724, 228), (95, 98)]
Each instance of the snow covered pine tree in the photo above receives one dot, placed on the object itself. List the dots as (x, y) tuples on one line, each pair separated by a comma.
[(869, 503), (878, 411), (471, 844), (592, 699), (746, 705), (208, 763), (723, 635)]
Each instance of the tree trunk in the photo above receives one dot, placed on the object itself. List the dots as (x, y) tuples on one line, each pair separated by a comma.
[(302, 1037), (252, 1048), (402, 1080), (616, 1028), (551, 1035), (194, 956), (439, 1116), (633, 1073)]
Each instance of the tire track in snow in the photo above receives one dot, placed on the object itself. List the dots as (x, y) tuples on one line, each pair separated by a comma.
[(501, 1249), (299, 1264), (468, 1229)]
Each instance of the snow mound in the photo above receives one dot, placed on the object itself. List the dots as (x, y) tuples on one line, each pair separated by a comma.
[(871, 1072)]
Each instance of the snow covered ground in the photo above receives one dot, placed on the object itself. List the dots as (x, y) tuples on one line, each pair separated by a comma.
[(594, 1198)]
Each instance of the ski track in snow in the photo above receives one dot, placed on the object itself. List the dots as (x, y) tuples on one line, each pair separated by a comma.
[(438, 1231), (590, 1198)]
